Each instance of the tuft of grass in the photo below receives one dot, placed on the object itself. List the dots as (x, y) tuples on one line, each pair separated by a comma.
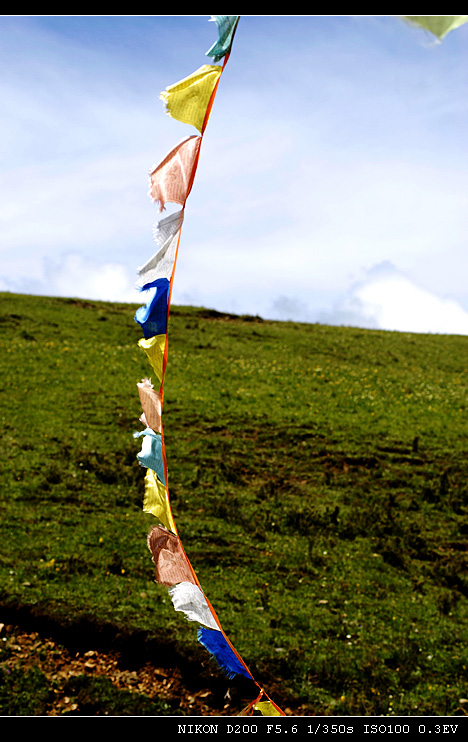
[(96, 696), (23, 692)]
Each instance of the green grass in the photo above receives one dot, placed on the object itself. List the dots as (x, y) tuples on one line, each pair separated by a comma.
[(318, 479), (30, 693)]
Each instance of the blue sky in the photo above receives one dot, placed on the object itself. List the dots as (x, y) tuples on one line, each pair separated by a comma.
[(333, 178)]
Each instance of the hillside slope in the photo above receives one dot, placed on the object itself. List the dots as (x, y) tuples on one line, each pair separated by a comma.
[(317, 475)]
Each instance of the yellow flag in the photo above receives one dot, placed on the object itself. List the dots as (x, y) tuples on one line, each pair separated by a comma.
[(154, 348), (188, 100), (439, 25), (266, 708), (156, 501)]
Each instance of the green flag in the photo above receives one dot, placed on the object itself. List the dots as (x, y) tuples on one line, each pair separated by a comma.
[(439, 25)]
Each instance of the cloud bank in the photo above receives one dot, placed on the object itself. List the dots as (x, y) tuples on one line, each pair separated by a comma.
[(385, 299), (78, 277)]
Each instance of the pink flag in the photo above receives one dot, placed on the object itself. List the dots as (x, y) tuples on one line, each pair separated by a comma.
[(172, 179), (151, 404), (171, 564)]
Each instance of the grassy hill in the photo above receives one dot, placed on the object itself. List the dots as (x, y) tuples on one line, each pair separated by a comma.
[(318, 479)]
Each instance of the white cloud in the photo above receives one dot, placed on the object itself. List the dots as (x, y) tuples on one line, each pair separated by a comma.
[(388, 300), (105, 282), (73, 275)]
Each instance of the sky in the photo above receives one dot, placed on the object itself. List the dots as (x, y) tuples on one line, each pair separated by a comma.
[(332, 185)]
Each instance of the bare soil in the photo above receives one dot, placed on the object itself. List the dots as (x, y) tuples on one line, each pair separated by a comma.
[(24, 648)]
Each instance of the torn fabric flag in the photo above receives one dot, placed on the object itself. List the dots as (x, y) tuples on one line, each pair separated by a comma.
[(156, 501), (171, 180), (150, 455), (155, 348), (217, 645), (439, 25), (169, 559), (161, 264), (153, 316), (151, 405), (227, 25), (168, 227), (267, 708), (189, 599), (188, 99)]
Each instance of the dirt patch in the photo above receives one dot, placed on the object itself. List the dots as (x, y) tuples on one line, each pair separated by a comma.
[(25, 649)]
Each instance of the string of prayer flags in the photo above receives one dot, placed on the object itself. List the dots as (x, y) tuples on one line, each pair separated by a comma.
[(189, 101), (439, 25)]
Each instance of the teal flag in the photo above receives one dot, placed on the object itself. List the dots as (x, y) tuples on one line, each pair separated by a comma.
[(227, 25)]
